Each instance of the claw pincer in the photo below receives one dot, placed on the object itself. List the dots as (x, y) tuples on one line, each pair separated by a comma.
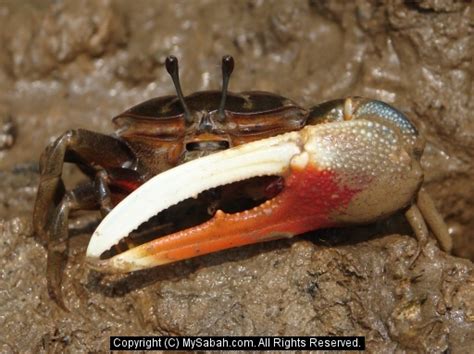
[(355, 161)]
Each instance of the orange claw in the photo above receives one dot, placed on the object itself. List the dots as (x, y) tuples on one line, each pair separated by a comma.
[(309, 198)]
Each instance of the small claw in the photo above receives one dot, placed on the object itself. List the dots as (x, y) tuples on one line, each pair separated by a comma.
[(342, 172)]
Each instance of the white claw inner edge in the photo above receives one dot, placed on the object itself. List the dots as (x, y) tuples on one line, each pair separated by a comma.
[(271, 156)]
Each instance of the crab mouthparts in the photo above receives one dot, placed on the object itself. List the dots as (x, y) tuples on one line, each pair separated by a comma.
[(307, 196)]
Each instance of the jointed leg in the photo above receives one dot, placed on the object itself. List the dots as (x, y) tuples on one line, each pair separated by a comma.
[(434, 220), (103, 193), (53, 203), (81, 198), (416, 221), (421, 213), (73, 146)]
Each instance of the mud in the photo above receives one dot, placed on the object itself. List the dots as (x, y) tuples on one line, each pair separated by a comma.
[(76, 64)]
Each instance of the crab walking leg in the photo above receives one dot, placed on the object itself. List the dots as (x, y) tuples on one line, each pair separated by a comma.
[(434, 220), (335, 174)]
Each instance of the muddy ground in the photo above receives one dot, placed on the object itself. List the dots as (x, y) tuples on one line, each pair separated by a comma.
[(76, 64)]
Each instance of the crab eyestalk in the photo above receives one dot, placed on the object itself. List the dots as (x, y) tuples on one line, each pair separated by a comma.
[(343, 172)]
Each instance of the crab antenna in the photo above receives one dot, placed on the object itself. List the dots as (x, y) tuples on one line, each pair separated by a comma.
[(173, 69), (227, 68)]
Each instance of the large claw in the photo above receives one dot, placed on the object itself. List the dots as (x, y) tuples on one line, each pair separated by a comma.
[(347, 171)]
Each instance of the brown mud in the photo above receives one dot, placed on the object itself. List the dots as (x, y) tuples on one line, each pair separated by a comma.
[(76, 64)]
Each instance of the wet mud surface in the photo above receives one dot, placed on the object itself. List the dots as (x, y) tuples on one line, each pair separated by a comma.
[(75, 65)]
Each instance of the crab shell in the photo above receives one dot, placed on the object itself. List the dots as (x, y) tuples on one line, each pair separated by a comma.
[(360, 163)]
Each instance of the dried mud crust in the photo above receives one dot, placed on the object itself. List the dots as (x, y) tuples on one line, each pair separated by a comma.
[(69, 66)]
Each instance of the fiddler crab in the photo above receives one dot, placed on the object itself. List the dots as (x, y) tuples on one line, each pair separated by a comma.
[(187, 176)]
